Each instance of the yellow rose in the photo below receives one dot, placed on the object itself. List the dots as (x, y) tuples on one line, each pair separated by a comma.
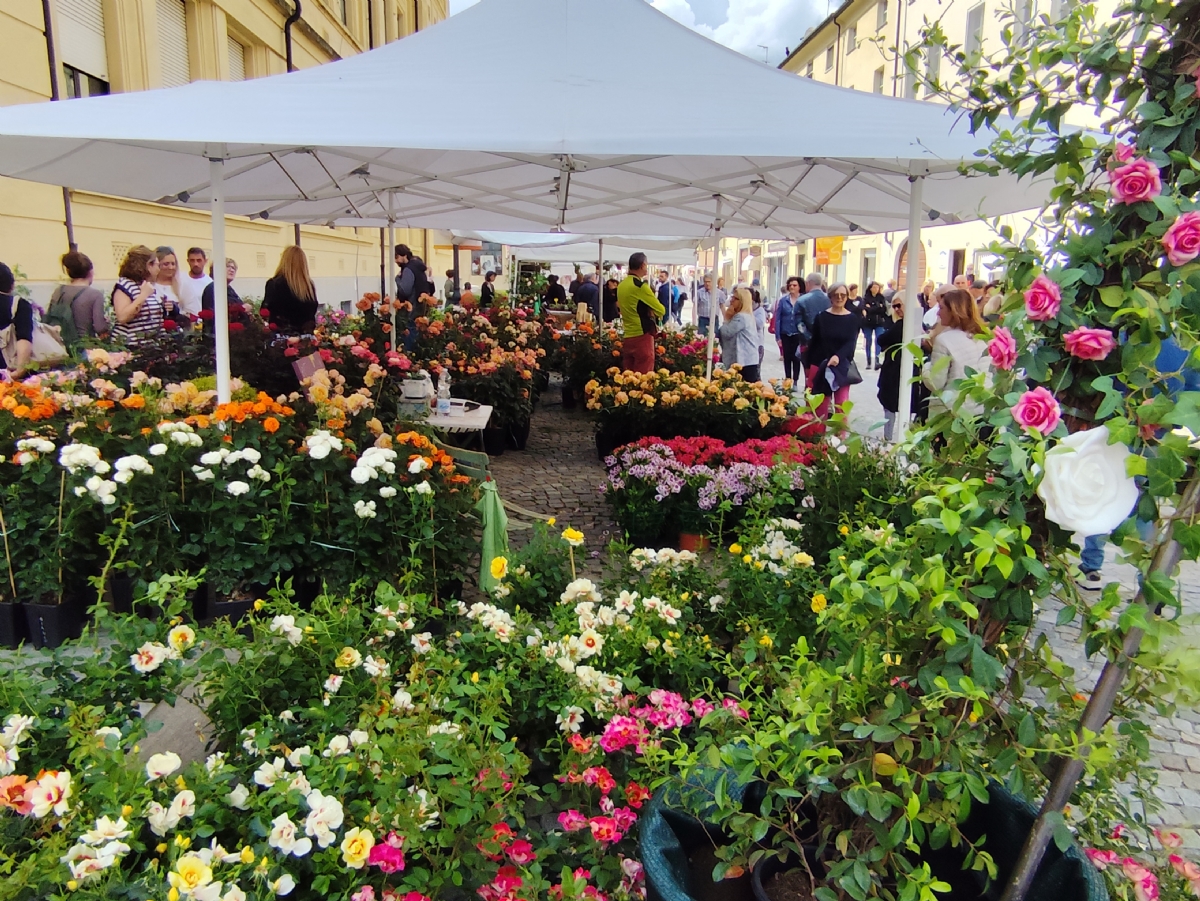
[(190, 873), (551, 521), (474, 678), (499, 568), (348, 659), (766, 641), (259, 604), (746, 558), (247, 855), (819, 603), (735, 548), (181, 638), (741, 403), (573, 537), (802, 559), (356, 847), (844, 530)]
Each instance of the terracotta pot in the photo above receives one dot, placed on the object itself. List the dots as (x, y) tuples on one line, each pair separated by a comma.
[(694, 542)]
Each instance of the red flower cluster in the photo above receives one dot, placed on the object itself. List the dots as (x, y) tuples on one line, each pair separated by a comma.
[(704, 451)]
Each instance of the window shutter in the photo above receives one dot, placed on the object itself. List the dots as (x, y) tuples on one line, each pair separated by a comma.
[(172, 43), (237, 61), (81, 37)]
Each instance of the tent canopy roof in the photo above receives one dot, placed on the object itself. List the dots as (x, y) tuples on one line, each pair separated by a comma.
[(562, 248), (612, 139)]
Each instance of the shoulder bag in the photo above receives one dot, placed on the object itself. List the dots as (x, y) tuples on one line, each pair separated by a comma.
[(48, 348)]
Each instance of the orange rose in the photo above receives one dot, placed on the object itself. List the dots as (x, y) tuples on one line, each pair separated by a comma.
[(12, 794), (271, 425), (134, 402)]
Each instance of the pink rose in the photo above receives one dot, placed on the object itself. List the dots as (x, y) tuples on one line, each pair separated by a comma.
[(1171, 841), (1184, 867), (1134, 870), (1102, 859), (572, 820), (1136, 181), (1003, 349), (1043, 299), (1089, 343), (1182, 240), (1123, 153), (1037, 410)]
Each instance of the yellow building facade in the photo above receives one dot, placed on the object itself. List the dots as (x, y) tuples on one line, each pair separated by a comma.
[(860, 45), (103, 46)]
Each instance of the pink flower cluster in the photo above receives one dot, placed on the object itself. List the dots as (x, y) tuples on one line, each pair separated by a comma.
[(503, 886), (665, 710), (588, 892), (503, 842), (606, 829), (367, 893), (388, 855)]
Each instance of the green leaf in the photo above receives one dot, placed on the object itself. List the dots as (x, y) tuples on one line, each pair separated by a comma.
[(985, 669), (1027, 731)]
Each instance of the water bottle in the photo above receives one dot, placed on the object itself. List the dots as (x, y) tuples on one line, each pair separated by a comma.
[(443, 394)]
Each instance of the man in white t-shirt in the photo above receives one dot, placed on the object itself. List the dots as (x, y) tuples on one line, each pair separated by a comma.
[(192, 285)]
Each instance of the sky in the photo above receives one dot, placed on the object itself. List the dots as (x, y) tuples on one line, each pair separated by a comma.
[(743, 25)]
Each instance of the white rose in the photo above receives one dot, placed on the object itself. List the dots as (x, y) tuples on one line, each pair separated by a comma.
[(157, 450), (160, 765), (239, 797), (237, 487), (1085, 487)]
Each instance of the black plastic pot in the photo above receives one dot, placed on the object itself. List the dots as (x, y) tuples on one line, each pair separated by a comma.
[(52, 624), (518, 435), (770, 866), (13, 628), (568, 396), (494, 441)]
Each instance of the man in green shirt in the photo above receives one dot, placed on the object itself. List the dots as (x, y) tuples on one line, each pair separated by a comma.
[(640, 311)]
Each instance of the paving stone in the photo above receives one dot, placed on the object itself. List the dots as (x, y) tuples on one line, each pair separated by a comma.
[(1173, 762)]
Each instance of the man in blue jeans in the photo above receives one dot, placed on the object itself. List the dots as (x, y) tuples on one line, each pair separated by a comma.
[(1171, 358)]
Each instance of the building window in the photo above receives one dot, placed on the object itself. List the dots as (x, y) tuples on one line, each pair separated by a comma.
[(881, 15), (851, 39), (343, 12), (237, 61), (1022, 20), (808, 70), (910, 84), (79, 84), (933, 69), (877, 84), (974, 40), (81, 39), (1059, 9), (173, 44), (829, 51)]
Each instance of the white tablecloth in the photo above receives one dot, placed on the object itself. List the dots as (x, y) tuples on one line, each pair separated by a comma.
[(469, 421)]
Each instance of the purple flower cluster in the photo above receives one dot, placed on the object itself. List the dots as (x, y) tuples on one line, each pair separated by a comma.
[(656, 465), (736, 483)]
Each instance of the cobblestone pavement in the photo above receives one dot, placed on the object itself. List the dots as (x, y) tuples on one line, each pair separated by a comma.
[(559, 475)]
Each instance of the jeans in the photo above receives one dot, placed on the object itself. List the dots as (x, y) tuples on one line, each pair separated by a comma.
[(702, 326), (889, 424), (872, 332), (791, 366), (1091, 560)]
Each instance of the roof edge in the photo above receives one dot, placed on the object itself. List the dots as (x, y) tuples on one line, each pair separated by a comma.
[(828, 20)]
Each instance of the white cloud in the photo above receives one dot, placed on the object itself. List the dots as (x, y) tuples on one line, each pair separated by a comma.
[(778, 24)]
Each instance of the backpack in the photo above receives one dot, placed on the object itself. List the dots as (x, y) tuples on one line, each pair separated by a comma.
[(62, 314)]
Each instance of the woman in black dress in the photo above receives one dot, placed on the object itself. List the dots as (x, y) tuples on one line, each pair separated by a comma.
[(831, 350)]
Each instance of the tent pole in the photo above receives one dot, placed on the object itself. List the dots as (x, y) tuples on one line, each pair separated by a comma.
[(695, 288), (912, 310), (600, 286), (715, 293), (216, 170), (391, 255)]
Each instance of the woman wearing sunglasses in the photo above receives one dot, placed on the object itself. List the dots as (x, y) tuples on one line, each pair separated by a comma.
[(889, 344), (831, 368)]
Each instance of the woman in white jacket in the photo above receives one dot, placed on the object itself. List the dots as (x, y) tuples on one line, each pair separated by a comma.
[(955, 350), (739, 334)]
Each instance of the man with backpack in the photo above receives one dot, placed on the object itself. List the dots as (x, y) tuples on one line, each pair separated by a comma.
[(411, 282)]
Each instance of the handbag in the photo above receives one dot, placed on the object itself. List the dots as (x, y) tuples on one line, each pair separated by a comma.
[(48, 347), (853, 376)]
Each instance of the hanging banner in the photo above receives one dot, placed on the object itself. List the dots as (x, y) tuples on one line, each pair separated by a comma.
[(829, 251)]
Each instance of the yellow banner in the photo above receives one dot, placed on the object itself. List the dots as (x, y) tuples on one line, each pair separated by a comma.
[(829, 251)]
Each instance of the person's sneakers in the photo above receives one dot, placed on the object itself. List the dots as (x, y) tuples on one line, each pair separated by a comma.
[(1091, 581)]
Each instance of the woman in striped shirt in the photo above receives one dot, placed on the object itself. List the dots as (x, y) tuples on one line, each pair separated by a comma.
[(136, 304)]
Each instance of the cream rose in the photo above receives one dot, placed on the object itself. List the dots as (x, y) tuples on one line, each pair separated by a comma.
[(1085, 486)]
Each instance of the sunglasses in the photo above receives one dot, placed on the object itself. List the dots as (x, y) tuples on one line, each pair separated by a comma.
[(840, 294), (897, 306)]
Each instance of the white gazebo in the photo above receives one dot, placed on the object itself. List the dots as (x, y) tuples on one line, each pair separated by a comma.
[(341, 145)]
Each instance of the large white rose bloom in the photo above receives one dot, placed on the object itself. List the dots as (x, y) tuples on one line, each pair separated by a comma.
[(1086, 488)]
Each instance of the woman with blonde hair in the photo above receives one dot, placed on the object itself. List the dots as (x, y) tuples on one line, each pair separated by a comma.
[(739, 334), (290, 298), (167, 283), (955, 350), (137, 306)]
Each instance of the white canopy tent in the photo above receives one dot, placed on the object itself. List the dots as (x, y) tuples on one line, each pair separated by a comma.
[(566, 248), (340, 144)]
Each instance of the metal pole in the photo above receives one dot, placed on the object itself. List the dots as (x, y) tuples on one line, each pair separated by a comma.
[(695, 289), (600, 285), (714, 308), (220, 286), (912, 310), (1095, 715), (391, 252), (454, 250)]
